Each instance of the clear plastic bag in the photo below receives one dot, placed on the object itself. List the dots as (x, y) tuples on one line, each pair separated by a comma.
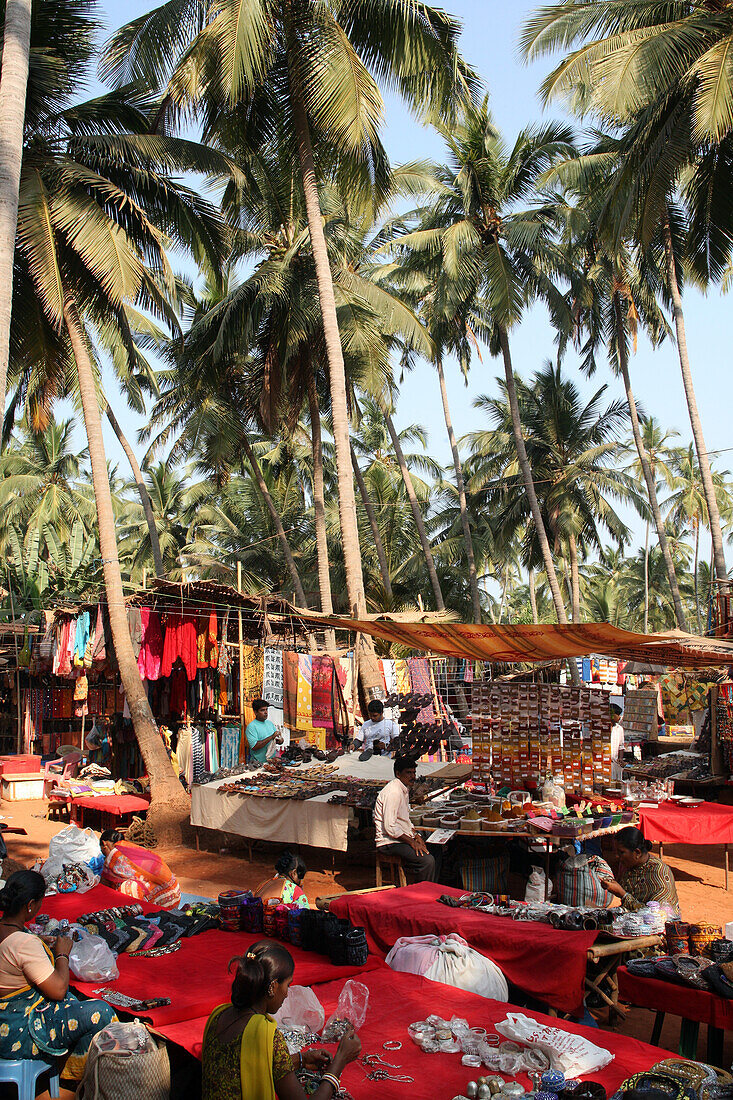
[(301, 1009), (92, 960), (125, 1038), (351, 1010)]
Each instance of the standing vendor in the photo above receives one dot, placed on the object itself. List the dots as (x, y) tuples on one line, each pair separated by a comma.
[(378, 733), (395, 834), (262, 734)]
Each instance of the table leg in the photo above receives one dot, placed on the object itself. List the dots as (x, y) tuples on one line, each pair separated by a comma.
[(689, 1030), (657, 1029), (547, 870), (727, 867), (198, 841), (661, 850), (715, 1045)]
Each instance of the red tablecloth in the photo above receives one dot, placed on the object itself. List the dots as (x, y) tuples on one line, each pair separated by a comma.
[(196, 977), (543, 962), (19, 764), (661, 996), (396, 1000), (708, 823), (116, 804)]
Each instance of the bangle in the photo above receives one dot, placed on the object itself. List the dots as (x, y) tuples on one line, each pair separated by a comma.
[(333, 1082), (62, 957)]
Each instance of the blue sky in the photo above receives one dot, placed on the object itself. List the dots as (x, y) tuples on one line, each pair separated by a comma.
[(490, 35)]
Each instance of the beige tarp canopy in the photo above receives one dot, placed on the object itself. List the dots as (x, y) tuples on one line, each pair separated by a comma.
[(505, 644)]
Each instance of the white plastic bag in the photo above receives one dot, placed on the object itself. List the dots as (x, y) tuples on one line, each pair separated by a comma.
[(535, 891), (301, 1008), (573, 1055), (92, 960), (351, 1009), (72, 845), (450, 960)]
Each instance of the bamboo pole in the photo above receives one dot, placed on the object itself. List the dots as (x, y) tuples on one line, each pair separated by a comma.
[(242, 749)]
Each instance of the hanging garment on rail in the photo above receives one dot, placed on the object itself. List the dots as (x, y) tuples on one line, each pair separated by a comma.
[(150, 658)]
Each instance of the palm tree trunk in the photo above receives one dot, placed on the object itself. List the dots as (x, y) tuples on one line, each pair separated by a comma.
[(416, 512), (319, 506), (623, 360), (13, 86), (372, 517), (142, 492), (505, 582), (646, 579), (532, 596), (574, 579), (169, 806), (472, 574), (528, 480), (697, 595), (371, 676), (697, 433), (282, 537)]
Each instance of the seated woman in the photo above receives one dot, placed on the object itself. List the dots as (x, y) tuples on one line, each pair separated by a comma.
[(40, 1018), (643, 877), (137, 872), (244, 1055), (290, 870)]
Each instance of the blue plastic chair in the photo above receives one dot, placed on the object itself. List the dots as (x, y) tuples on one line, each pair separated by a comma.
[(24, 1073)]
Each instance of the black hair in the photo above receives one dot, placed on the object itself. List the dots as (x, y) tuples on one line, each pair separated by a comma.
[(264, 963), (21, 887), (633, 840), (290, 865), (258, 704), (376, 707), (403, 761), (112, 835)]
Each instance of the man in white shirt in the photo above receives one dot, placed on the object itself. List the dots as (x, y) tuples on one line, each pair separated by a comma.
[(395, 834), (378, 733)]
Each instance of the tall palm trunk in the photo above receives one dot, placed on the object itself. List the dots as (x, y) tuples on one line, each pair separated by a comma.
[(623, 360), (646, 578), (697, 433), (282, 537), (372, 517), (416, 512), (504, 585), (319, 507), (574, 579), (697, 558), (529, 488), (13, 86), (371, 676), (472, 574), (169, 806), (532, 596), (142, 492)]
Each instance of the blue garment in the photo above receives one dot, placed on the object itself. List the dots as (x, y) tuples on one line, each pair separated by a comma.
[(229, 746), (82, 635), (256, 732)]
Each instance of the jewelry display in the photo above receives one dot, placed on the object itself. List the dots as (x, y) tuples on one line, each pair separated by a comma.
[(392, 1044)]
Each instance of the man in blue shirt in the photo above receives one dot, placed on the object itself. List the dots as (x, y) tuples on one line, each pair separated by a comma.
[(261, 733)]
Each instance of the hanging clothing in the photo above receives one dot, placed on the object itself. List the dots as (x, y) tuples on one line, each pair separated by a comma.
[(179, 685), (99, 653), (305, 691), (254, 671), (65, 651), (290, 689), (322, 675), (207, 650), (229, 746), (402, 676), (81, 637), (197, 754), (183, 752), (180, 641), (150, 657)]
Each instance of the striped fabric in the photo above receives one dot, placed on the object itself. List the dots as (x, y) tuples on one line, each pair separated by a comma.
[(581, 886), (486, 875)]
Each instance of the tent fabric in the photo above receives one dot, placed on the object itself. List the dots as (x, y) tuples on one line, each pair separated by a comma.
[(549, 641)]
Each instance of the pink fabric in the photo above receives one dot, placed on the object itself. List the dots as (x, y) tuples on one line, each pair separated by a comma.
[(150, 658)]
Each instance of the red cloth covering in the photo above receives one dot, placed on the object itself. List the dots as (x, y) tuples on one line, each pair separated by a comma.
[(196, 977), (548, 964), (116, 804), (661, 996), (709, 823), (19, 764), (397, 1000)]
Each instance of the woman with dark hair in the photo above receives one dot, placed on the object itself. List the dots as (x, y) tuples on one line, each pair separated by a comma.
[(38, 1015), (287, 882), (137, 872), (643, 877), (244, 1055)]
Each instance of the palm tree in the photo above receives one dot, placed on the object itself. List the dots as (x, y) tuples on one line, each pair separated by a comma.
[(659, 72), (16, 45), (496, 256), (312, 63)]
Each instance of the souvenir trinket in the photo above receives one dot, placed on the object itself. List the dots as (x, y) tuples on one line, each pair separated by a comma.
[(553, 1080), (471, 1090)]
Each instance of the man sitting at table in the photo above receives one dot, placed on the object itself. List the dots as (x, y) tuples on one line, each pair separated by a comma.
[(395, 834)]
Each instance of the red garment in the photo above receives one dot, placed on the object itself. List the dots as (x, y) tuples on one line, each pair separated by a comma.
[(548, 964), (179, 690), (63, 653), (150, 658), (180, 641)]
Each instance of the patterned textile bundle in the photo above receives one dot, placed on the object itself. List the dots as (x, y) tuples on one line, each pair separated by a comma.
[(677, 933)]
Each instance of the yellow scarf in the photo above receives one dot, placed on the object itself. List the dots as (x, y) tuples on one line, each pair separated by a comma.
[(255, 1063)]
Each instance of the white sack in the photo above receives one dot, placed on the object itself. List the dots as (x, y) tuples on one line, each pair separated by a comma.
[(450, 960)]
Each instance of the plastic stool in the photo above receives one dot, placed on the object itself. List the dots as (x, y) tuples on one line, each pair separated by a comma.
[(24, 1073)]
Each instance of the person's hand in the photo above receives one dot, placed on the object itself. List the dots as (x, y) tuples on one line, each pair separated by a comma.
[(314, 1059), (419, 846), (349, 1048), (62, 946), (613, 887)]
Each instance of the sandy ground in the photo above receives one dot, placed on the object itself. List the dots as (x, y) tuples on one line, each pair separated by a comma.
[(222, 863)]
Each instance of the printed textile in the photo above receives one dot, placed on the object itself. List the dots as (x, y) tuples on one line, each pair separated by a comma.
[(142, 874), (420, 683), (321, 706), (254, 671), (305, 691), (290, 689), (150, 658), (229, 746), (272, 685)]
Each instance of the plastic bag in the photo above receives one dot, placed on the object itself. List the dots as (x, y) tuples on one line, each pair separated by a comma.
[(125, 1038), (301, 1008), (72, 845), (572, 1054), (92, 960), (535, 891), (351, 1009)]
